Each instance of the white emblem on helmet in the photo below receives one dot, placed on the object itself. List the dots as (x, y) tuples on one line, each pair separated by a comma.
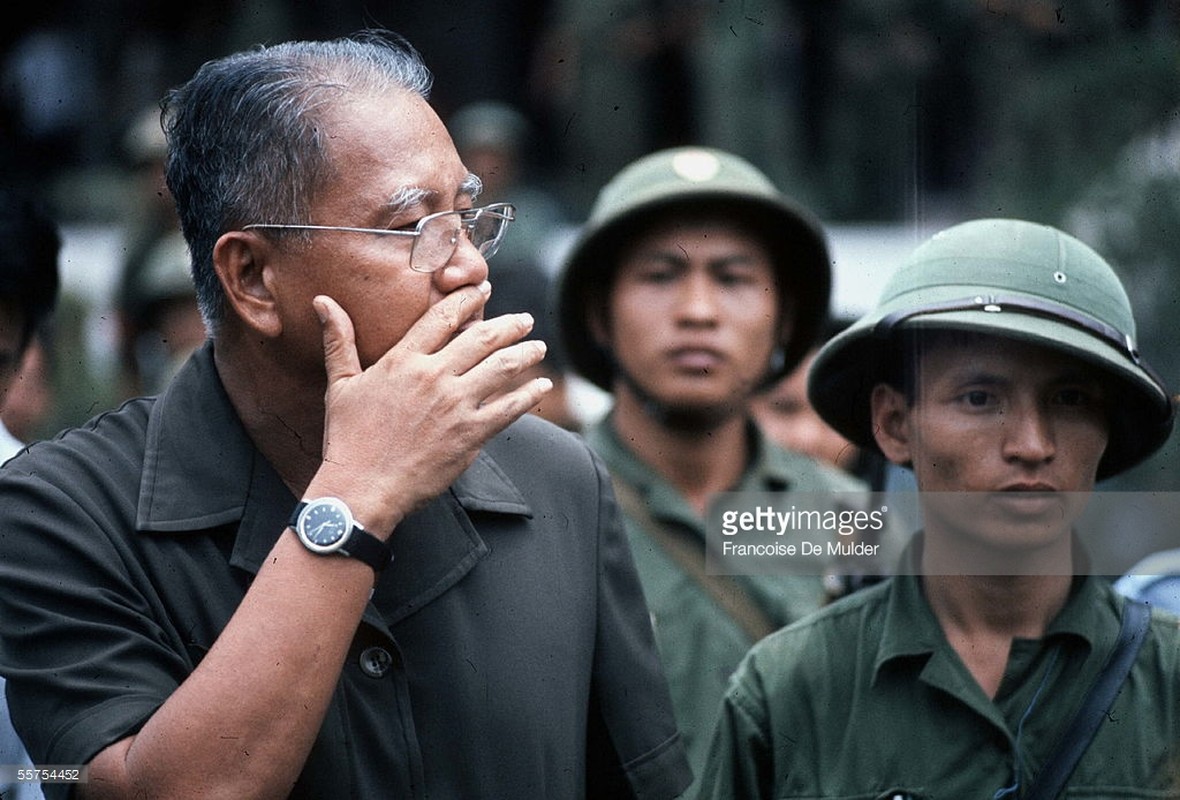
[(696, 165)]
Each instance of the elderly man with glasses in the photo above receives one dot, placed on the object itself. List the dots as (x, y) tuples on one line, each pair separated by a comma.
[(327, 561)]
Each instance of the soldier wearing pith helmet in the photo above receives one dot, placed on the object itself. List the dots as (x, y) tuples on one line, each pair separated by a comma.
[(1013, 280), (694, 283), (1001, 365)]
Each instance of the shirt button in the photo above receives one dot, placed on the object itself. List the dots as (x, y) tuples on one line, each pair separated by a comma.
[(375, 661)]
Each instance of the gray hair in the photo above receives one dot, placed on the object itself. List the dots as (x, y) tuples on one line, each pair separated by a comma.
[(246, 138)]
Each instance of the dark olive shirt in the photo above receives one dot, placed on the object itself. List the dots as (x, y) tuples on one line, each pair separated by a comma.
[(867, 699), (505, 653)]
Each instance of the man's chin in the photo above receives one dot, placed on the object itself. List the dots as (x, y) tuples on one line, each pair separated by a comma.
[(688, 411), (694, 417)]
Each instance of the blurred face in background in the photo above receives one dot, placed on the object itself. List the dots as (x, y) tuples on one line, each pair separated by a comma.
[(787, 417), (30, 398)]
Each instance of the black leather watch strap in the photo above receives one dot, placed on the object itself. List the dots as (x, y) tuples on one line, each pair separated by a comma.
[(368, 548), (358, 544)]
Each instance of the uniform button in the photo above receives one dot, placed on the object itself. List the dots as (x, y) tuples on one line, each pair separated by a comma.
[(375, 661)]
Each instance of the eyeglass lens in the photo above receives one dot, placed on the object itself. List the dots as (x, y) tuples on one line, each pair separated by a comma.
[(440, 236)]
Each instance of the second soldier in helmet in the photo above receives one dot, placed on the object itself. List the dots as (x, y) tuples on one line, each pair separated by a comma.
[(695, 283)]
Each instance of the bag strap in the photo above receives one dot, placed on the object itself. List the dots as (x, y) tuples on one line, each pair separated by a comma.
[(689, 554), (1077, 737)]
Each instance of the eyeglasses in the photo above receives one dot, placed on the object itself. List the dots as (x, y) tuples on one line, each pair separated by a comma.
[(436, 236)]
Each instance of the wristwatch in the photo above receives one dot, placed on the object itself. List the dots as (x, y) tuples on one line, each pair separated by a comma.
[(326, 527)]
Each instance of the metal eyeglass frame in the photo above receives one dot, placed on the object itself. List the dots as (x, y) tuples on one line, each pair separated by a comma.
[(467, 220)]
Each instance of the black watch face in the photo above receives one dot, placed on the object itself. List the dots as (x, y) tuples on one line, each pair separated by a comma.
[(324, 524)]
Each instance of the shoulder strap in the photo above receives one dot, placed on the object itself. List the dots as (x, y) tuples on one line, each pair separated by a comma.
[(1077, 737), (689, 554)]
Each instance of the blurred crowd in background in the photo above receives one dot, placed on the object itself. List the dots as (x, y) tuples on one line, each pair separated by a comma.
[(908, 114)]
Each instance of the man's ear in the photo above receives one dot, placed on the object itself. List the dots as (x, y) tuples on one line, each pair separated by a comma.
[(890, 414), (243, 262)]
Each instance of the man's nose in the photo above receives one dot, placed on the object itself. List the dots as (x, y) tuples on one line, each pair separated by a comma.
[(697, 300), (1029, 436), (465, 266)]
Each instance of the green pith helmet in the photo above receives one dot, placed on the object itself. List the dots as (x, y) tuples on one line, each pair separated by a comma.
[(690, 180), (1013, 279)]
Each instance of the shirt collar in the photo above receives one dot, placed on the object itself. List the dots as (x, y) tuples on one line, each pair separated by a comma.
[(201, 470), (198, 459), (664, 501), (9, 444), (911, 629), (770, 468)]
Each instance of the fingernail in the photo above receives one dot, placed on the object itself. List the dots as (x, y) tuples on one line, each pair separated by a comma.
[(320, 311), (486, 287)]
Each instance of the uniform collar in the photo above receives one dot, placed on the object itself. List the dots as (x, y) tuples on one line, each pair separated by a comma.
[(770, 468), (910, 628), (664, 501)]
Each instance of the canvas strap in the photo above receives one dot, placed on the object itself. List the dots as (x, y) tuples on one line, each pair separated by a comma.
[(1085, 724), (688, 552)]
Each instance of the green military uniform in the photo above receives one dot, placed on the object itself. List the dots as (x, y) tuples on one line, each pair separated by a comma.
[(700, 643), (867, 699)]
